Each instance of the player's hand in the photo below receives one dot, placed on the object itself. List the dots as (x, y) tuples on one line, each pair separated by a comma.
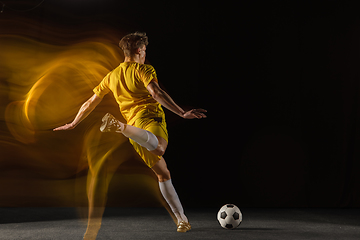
[(195, 113), (65, 127)]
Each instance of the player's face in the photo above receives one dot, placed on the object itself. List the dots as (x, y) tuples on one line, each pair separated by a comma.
[(142, 53)]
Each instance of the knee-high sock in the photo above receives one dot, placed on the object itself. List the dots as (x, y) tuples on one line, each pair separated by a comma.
[(168, 191), (141, 136)]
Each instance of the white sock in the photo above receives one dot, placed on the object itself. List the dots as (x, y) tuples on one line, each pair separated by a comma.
[(141, 136), (168, 191)]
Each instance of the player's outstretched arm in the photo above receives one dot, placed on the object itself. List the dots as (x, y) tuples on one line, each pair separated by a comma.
[(84, 111), (165, 100)]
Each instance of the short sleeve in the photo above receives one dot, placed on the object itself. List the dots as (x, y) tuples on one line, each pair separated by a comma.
[(103, 88), (148, 74)]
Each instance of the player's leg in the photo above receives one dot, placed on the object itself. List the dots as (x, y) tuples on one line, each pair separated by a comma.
[(168, 191), (161, 148), (139, 139), (141, 136)]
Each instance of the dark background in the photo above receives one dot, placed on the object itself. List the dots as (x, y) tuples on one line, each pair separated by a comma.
[(280, 81)]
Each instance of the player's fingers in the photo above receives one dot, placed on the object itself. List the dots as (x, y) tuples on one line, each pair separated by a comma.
[(58, 128), (200, 115), (65, 127), (200, 112), (195, 115)]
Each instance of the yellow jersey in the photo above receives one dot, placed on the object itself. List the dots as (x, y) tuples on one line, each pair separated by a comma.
[(128, 83)]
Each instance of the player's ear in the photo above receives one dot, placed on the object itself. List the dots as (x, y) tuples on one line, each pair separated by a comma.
[(137, 51)]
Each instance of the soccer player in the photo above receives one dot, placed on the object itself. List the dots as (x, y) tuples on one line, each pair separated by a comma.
[(136, 90)]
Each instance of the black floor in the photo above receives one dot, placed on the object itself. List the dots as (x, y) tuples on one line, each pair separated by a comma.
[(155, 223)]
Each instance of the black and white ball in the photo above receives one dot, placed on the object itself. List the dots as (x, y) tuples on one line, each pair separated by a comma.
[(229, 216)]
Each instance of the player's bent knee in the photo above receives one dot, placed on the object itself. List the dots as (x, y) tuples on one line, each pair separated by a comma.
[(159, 151), (161, 148)]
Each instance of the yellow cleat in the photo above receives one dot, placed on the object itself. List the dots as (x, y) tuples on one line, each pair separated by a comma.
[(183, 226), (109, 124)]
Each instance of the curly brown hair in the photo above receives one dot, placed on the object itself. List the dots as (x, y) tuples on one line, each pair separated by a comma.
[(133, 41)]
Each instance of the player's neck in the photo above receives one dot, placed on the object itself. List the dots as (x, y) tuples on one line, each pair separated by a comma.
[(135, 58)]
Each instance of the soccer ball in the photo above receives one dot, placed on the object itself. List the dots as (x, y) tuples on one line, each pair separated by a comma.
[(229, 216)]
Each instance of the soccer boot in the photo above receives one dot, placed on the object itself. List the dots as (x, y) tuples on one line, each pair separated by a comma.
[(183, 226), (110, 124)]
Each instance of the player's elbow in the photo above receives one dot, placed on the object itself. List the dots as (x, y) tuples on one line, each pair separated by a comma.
[(91, 103), (85, 106), (157, 94)]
